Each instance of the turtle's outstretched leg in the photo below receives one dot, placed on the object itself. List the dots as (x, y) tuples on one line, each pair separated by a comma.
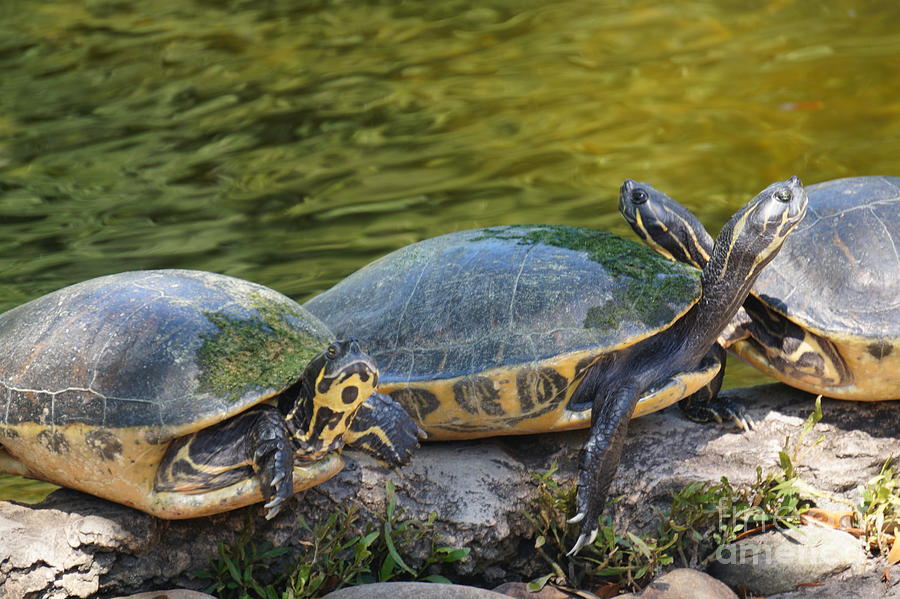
[(253, 445), (600, 459), (384, 430), (706, 405)]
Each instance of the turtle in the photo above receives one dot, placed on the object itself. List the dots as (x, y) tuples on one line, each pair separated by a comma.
[(530, 329), (186, 393), (823, 317)]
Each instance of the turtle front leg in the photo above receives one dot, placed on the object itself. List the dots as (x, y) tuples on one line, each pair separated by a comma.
[(599, 460), (273, 458), (253, 444), (384, 430)]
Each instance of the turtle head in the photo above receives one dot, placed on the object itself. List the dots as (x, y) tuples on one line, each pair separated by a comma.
[(747, 242), (664, 224), (346, 376), (757, 231), (334, 386)]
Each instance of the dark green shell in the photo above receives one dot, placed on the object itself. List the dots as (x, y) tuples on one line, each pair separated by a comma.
[(466, 302), (837, 271), (161, 349)]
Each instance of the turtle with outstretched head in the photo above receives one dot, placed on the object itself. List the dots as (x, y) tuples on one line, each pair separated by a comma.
[(825, 315), (185, 393), (529, 329)]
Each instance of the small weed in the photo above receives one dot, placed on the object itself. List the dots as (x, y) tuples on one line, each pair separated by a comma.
[(334, 556), (702, 518), (237, 569), (879, 513)]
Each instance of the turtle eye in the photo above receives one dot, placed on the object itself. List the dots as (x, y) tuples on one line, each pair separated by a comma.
[(639, 196), (331, 352), (783, 195)]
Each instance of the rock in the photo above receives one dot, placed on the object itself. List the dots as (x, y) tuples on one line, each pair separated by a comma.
[(519, 590), (171, 594), (413, 590), (74, 545), (866, 586), (779, 560), (684, 583)]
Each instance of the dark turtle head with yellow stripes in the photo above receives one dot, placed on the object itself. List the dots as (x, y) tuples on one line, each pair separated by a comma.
[(334, 386)]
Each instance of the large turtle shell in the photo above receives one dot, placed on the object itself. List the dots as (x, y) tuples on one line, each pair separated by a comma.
[(837, 272), (168, 352), (471, 301)]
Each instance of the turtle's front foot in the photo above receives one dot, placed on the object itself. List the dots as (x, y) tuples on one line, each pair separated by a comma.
[(276, 462), (720, 410), (384, 430), (273, 462)]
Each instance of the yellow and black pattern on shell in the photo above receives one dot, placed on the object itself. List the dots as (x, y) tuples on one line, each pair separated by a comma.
[(840, 367), (523, 400)]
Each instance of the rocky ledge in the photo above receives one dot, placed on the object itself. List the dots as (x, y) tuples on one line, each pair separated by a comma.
[(73, 545)]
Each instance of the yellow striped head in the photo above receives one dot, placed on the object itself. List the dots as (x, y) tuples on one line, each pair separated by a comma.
[(346, 377), (664, 224), (757, 231)]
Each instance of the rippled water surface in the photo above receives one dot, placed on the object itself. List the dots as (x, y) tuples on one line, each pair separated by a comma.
[(290, 143)]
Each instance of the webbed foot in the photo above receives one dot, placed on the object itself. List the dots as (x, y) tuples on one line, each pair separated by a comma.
[(720, 410), (384, 430), (273, 462)]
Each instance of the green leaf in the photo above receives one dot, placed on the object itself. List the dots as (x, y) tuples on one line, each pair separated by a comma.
[(391, 499), (272, 553), (450, 554), (536, 585), (386, 572), (639, 544), (437, 579), (232, 569), (392, 551)]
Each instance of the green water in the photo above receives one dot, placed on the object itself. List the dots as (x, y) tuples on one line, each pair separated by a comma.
[(292, 142)]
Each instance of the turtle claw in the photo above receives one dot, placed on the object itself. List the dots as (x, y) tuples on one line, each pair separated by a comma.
[(583, 539), (743, 422), (273, 462), (720, 410), (273, 508), (576, 518)]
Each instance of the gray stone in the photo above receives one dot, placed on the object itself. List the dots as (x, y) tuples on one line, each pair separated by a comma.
[(865, 586), (79, 546), (519, 590), (685, 583), (170, 594), (779, 560), (413, 590)]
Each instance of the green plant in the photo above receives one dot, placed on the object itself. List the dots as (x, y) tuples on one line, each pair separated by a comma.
[(396, 531), (235, 572), (701, 518), (334, 555), (879, 513)]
